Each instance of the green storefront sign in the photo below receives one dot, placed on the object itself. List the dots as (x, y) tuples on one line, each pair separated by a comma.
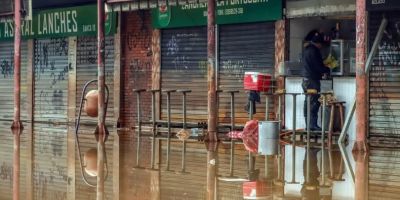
[(63, 22), (227, 12)]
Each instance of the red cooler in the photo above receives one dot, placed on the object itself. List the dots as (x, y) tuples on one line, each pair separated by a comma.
[(256, 190), (257, 81)]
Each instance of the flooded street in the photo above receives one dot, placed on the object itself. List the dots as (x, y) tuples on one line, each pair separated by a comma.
[(294, 172)]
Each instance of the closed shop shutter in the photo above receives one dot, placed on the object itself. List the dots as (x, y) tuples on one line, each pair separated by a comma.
[(383, 179), (50, 139), (6, 161), (86, 70), (384, 83), (243, 48), (7, 80), (184, 66)]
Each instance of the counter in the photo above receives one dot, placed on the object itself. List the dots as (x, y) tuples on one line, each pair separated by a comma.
[(344, 89)]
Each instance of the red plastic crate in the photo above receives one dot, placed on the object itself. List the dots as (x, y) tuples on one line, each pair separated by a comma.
[(257, 81), (255, 190)]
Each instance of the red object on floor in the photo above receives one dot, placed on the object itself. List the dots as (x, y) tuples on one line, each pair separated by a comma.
[(255, 190), (250, 136), (235, 134), (257, 81)]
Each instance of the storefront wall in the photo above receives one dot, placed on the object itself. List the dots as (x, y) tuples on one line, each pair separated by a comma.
[(55, 63), (384, 81), (303, 19)]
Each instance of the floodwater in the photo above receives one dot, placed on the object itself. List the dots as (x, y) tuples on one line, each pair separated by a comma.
[(292, 171)]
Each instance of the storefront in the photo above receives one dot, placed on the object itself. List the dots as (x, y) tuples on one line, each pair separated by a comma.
[(59, 54), (245, 41), (384, 78), (336, 19)]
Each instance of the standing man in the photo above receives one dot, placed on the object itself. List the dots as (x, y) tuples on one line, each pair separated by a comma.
[(313, 71)]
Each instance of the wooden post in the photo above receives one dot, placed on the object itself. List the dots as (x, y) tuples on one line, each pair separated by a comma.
[(71, 112), (361, 77)]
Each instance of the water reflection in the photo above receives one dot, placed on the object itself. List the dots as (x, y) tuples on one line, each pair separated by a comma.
[(205, 171)]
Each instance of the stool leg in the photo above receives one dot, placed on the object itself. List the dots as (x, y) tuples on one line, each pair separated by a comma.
[(153, 117), (341, 116), (139, 121), (184, 127), (331, 120), (169, 127), (294, 119), (232, 160)]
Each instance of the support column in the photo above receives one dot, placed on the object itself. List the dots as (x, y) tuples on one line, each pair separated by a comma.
[(281, 54), (361, 175), (212, 163), (156, 67), (16, 126), (212, 92), (71, 186), (361, 77), (117, 101), (101, 100)]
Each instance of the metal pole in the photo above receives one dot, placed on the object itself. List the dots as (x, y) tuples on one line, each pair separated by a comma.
[(294, 140), (266, 108), (232, 160), (169, 127), (323, 137), (250, 157), (17, 124), (139, 122), (212, 100), (308, 138), (212, 92), (184, 127), (294, 119), (16, 163), (212, 162), (153, 117), (101, 100)]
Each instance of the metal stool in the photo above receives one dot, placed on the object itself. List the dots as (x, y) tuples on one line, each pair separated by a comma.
[(231, 164), (168, 92), (333, 105), (154, 124), (184, 92), (139, 122)]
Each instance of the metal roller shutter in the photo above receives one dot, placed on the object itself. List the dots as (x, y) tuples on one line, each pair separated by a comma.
[(86, 70), (50, 139), (6, 161), (184, 66), (383, 176), (7, 80), (242, 48), (384, 84)]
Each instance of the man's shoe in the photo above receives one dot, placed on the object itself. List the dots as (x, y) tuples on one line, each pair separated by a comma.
[(315, 128)]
